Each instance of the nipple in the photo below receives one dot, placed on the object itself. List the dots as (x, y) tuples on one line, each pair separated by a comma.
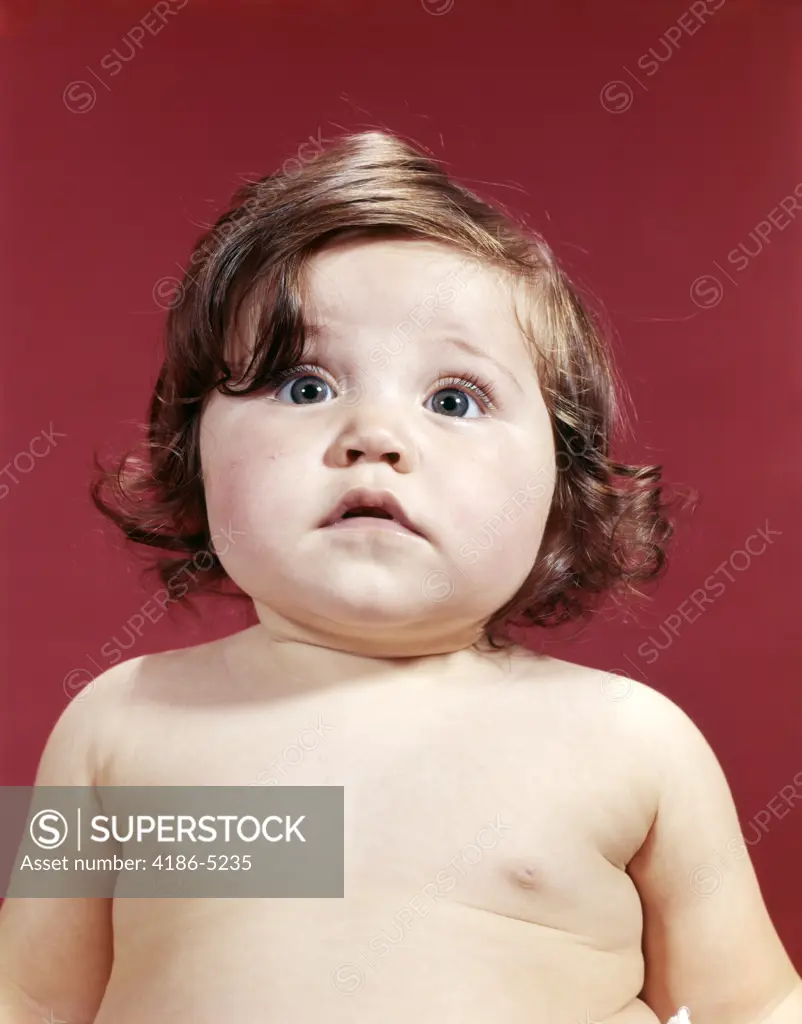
[(524, 874)]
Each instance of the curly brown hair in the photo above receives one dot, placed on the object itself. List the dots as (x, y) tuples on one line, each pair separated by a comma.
[(608, 526)]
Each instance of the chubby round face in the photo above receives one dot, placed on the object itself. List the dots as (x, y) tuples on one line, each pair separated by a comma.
[(391, 493)]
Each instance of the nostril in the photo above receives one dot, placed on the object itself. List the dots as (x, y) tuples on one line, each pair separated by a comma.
[(393, 458)]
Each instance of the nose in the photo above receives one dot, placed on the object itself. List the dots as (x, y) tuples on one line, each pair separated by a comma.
[(373, 433)]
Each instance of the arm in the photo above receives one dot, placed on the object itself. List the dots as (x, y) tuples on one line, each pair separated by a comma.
[(56, 954), (709, 943)]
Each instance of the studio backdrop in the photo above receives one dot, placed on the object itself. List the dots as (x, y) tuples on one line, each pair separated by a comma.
[(657, 146)]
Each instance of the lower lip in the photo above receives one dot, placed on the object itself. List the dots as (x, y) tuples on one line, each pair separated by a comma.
[(371, 523)]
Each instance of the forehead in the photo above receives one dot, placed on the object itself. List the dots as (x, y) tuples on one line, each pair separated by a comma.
[(380, 282)]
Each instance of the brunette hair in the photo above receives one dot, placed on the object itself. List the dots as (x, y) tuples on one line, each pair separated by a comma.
[(608, 527)]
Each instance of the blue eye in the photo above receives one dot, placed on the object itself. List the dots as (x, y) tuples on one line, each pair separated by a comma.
[(465, 397), (462, 397), (454, 402), (308, 389)]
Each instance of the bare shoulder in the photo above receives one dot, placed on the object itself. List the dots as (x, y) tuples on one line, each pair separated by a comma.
[(74, 751), (574, 682), (161, 676), (116, 688), (610, 693), (98, 720), (662, 738)]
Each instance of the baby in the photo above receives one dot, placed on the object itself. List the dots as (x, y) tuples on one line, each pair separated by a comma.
[(385, 420)]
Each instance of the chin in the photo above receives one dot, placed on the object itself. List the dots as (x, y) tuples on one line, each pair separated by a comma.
[(368, 607)]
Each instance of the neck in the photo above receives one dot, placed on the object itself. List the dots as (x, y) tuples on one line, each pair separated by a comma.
[(305, 651)]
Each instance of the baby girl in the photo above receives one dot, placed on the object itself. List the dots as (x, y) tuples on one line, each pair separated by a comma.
[(451, 482)]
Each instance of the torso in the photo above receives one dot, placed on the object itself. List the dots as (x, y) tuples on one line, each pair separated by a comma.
[(489, 820)]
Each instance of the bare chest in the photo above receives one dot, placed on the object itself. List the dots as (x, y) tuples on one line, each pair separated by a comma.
[(496, 797)]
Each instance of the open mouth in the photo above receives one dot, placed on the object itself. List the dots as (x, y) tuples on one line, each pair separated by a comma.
[(367, 517), (366, 510), (369, 510)]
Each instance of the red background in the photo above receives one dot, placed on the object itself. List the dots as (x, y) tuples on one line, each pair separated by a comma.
[(640, 201)]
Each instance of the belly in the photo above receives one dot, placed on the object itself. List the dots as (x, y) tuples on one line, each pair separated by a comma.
[(378, 959)]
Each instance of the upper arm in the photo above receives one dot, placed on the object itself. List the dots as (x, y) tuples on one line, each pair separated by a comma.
[(708, 940), (57, 952)]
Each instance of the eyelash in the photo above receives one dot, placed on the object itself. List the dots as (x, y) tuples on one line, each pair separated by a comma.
[(479, 387)]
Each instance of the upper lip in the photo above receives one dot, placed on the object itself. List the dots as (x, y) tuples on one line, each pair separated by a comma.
[(361, 497)]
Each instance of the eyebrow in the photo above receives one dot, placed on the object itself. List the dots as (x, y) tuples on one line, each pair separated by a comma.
[(474, 350), (315, 330)]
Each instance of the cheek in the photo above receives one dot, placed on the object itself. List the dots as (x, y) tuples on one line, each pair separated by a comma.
[(509, 484), (504, 501), (251, 480), (259, 495)]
